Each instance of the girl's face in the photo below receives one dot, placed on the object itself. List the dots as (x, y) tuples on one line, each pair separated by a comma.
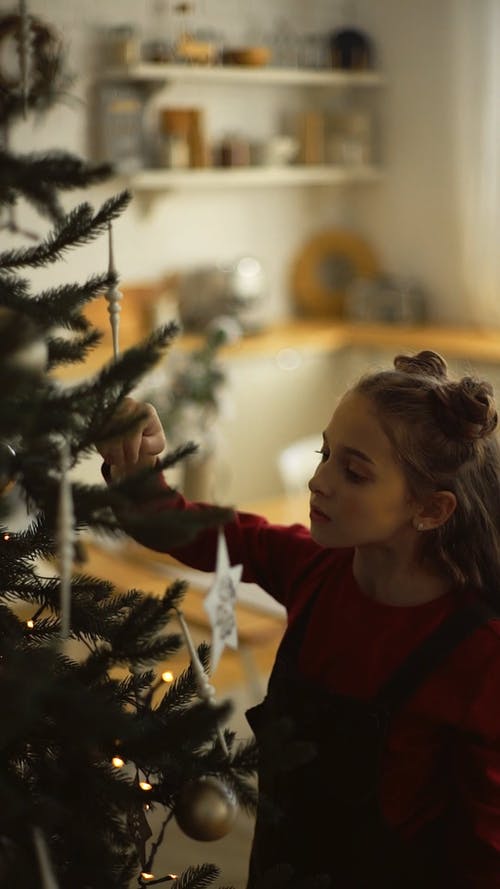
[(359, 495)]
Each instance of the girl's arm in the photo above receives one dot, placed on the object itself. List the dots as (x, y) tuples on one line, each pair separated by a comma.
[(273, 556)]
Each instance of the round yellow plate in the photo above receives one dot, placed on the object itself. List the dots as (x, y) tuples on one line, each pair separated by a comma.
[(324, 269)]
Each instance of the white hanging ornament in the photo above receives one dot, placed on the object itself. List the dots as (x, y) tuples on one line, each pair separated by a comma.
[(205, 809), (220, 603), (114, 298), (205, 690), (65, 541), (44, 863)]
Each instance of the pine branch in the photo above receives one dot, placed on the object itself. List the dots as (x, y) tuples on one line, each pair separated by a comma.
[(35, 541), (170, 748), (98, 399), (22, 401), (61, 169), (62, 304), (197, 877), (183, 689), (94, 668), (174, 594), (63, 351), (122, 374), (45, 629), (79, 227), (139, 626), (37, 177), (87, 592), (151, 652), (127, 690), (244, 759), (179, 694), (107, 510), (12, 630), (59, 306), (14, 292), (244, 789)]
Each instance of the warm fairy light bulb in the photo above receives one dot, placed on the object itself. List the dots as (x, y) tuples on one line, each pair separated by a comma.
[(167, 676), (145, 785), (146, 876), (6, 536), (30, 623), (118, 762)]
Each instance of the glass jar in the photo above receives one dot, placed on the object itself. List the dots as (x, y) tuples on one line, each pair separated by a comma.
[(124, 45)]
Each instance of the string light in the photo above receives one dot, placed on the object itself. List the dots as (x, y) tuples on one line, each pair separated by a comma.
[(167, 676), (30, 623), (145, 785), (146, 877), (6, 536), (118, 762)]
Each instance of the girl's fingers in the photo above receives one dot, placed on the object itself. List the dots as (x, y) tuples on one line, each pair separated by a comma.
[(147, 439), (153, 444)]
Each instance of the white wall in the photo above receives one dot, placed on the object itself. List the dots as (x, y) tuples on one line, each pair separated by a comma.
[(409, 218), (412, 221)]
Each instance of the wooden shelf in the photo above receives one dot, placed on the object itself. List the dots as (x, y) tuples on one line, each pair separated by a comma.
[(470, 344), (158, 180), (151, 72), (149, 182)]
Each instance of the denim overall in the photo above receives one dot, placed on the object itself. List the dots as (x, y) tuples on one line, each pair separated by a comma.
[(319, 822)]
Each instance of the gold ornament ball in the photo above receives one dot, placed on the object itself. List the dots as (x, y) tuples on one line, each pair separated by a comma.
[(205, 809)]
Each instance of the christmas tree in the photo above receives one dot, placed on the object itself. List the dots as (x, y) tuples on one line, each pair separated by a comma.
[(91, 739)]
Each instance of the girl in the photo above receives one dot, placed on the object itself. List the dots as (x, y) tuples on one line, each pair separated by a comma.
[(379, 737)]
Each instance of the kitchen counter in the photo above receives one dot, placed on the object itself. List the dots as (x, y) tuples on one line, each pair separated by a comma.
[(452, 342), (473, 344)]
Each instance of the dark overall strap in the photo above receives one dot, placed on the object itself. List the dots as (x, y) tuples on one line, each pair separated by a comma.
[(295, 632), (433, 651)]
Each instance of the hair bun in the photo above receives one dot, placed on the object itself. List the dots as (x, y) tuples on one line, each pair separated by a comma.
[(425, 363), (467, 408)]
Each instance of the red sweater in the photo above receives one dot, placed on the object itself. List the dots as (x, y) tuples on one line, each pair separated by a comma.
[(352, 646)]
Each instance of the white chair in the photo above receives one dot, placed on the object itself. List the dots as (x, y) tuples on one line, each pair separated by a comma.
[(298, 461)]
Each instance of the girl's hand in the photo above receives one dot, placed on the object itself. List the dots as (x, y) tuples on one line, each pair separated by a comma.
[(140, 446)]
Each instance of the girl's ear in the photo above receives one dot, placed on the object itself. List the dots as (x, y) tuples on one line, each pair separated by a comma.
[(436, 511)]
